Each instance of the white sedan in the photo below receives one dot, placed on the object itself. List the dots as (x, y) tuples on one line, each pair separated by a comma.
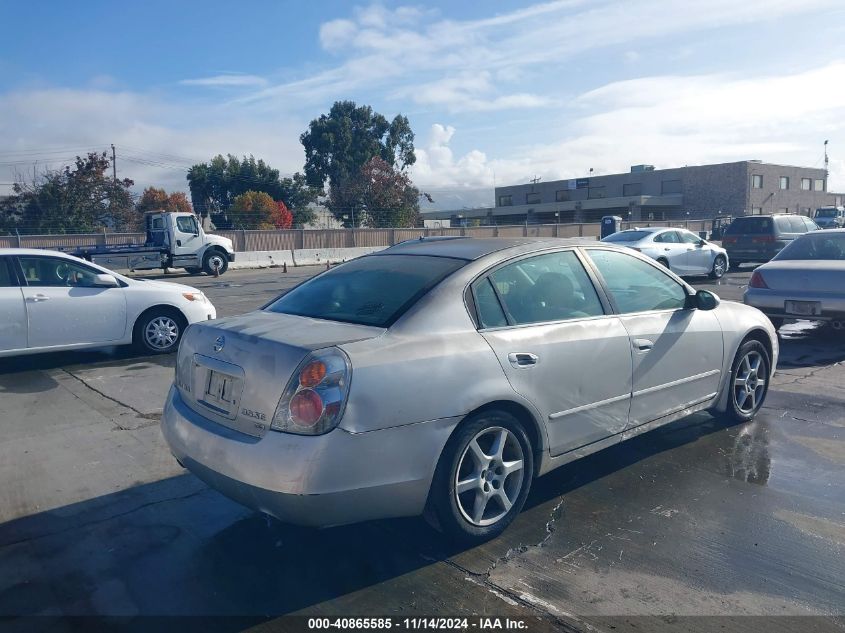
[(50, 301), (682, 251)]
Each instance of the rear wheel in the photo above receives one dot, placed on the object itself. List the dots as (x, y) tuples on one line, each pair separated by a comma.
[(159, 330), (749, 381), (719, 267), (483, 477), (215, 260), (735, 265)]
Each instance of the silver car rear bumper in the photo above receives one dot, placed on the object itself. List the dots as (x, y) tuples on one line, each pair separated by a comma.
[(771, 303), (324, 480)]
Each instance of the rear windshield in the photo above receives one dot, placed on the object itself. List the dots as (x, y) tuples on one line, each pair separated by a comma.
[(750, 225), (627, 236), (374, 290), (821, 245)]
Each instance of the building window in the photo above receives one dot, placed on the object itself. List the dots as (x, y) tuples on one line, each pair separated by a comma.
[(756, 210), (532, 198), (505, 201), (784, 182), (632, 189), (806, 184), (561, 195), (670, 186), (756, 181), (596, 192), (819, 184)]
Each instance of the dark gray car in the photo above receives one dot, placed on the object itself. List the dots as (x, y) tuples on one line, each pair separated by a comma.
[(758, 238)]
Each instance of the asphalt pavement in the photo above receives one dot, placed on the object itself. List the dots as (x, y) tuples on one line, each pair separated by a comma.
[(699, 518)]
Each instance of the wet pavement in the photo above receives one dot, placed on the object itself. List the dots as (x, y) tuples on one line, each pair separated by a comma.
[(699, 518)]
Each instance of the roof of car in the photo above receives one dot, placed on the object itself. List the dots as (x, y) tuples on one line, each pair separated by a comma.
[(472, 248), (33, 251)]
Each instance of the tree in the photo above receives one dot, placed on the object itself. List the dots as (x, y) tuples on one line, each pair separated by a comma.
[(384, 196), (339, 144), (281, 218), (80, 198), (253, 210), (154, 199), (215, 185)]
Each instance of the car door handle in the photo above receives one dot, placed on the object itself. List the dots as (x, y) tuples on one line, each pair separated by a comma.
[(643, 344), (37, 298), (520, 360)]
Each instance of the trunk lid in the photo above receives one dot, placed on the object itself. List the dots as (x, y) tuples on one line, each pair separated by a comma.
[(233, 371), (805, 275)]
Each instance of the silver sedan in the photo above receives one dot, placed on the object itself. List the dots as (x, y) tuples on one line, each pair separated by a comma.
[(679, 250), (806, 280), (441, 376)]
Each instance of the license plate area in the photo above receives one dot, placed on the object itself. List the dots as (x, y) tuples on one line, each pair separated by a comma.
[(218, 386), (803, 308)]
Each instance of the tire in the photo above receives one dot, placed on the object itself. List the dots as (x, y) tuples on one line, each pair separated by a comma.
[(750, 363), (735, 265), (498, 494), (215, 257), (159, 330), (776, 321), (664, 262), (719, 267), (193, 271)]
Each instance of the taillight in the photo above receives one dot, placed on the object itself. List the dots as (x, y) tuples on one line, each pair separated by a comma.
[(728, 240), (184, 367), (763, 239), (757, 280), (315, 396)]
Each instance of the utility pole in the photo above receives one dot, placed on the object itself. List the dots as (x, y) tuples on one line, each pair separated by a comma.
[(113, 163), (825, 166)]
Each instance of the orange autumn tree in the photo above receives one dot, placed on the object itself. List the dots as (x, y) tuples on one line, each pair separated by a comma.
[(282, 218)]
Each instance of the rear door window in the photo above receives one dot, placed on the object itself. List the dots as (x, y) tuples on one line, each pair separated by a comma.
[(490, 312), (669, 237), (783, 224), (551, 287), (796, 224), (6, 278)]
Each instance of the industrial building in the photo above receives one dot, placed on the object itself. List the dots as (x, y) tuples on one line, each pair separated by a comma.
[(646, 193)]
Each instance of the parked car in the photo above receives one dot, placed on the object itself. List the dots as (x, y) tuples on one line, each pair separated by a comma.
[(758, 238), (681, 251), (439, 377), (50, 301), (803, 281), (830, 217)]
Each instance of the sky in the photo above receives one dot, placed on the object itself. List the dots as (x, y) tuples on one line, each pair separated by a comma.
[(497, 93)]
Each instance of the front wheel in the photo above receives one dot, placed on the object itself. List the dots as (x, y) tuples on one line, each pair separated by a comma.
[(483, 477), (159, 331), (749, 381), (215, 260), (719, 267)]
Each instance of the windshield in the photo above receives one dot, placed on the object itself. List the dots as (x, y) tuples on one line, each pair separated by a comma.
[(750, 225), (374, 290), (826, 213), (627, 236), (819, 246)]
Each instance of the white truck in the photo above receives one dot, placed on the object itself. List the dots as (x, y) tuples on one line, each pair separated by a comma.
[(174, 240)]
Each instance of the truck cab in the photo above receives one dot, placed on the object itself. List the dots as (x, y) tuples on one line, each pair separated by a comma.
[(186, 243), (830, 217)]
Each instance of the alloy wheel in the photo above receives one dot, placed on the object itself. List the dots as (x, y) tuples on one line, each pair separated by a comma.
[(489, 476), (719, 267), (161, 333), (749, 385)]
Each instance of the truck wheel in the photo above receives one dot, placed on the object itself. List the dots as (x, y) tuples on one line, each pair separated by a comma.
[(215, 259), (159, 330), (483, 477)]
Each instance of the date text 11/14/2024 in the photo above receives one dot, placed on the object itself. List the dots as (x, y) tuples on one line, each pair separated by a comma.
[(478, 623)]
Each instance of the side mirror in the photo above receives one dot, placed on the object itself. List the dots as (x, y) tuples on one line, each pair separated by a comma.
[(705, 300), (105, 281)]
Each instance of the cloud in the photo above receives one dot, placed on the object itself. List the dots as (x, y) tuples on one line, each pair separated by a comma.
[(157, 140), (418, 53), (227, 80)]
